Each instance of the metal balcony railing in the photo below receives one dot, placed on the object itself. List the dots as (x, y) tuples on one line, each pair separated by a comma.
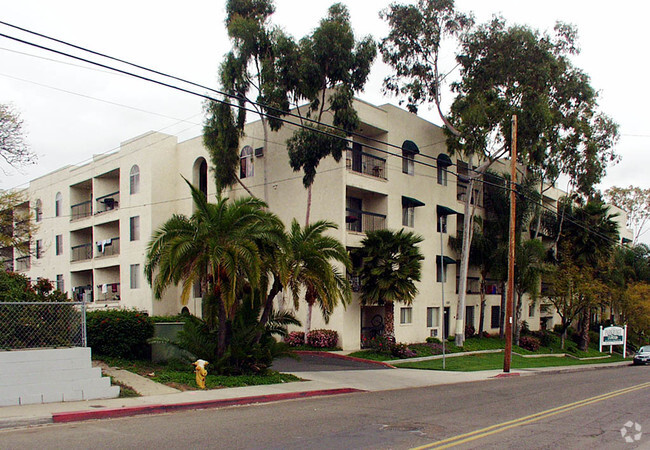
[(81, 210), (362, 221), (81, 252), (107, 202), (108, 247), (23, 263), (366, 164)]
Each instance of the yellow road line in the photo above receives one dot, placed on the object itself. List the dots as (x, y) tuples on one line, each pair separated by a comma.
[(484, 432)]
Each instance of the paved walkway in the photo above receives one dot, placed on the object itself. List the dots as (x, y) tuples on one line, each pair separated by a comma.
[(371, 377)]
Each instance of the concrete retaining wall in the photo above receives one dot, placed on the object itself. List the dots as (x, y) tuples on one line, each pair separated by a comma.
[(51, 375)]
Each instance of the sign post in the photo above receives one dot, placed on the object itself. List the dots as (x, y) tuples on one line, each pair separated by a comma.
[(613, 336)]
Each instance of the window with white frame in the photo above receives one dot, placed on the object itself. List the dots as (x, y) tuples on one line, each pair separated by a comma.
[(406, 315), (59, 283), (58, 244), (433, 317), (134, 228), (135, 276), (246, 162), (134, 180), (441, 271), (408, 215), (58, 204)]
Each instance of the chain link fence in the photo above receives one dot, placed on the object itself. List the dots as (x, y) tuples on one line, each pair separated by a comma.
[(26, 325)]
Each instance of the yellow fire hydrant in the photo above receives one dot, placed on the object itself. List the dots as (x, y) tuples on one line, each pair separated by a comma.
[(201, 372)]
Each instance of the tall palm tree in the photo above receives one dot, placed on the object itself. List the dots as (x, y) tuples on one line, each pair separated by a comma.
[(218, 246), (309, 267), (392, 264)]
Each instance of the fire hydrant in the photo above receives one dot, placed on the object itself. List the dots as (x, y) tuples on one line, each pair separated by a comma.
[(201, 372)]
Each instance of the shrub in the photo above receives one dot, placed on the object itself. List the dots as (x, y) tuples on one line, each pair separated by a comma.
[(433, 340), (529, 343), (322, 338), (545, 338), (525, 329), (469, 331), (401, 351), (295, 338), (380, 344), (119, 333)]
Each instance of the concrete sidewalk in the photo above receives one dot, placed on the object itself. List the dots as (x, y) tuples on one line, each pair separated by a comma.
[(319, 383)]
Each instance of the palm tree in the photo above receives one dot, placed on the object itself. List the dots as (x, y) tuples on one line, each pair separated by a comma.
[(392, 264), (218, 246), (309, 259)]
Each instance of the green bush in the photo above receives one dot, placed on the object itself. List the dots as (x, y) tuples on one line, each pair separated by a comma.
[(433, 340), (119, 333)]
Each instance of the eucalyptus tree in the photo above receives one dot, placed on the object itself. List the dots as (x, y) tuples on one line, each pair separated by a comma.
[(504, 71), (391, 265), (635, 201), (325, 69)]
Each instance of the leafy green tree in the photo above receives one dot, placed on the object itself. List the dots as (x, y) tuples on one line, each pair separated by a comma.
[(391, 265), (218, 247), (310, 268), (325, 69), (529, 267), (636, 203)]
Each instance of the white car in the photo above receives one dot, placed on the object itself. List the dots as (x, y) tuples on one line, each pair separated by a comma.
[(642, 356)]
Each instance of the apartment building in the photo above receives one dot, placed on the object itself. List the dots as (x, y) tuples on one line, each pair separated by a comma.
[(95, 220)]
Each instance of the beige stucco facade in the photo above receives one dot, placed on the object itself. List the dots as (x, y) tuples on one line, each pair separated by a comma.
[(102, 254)]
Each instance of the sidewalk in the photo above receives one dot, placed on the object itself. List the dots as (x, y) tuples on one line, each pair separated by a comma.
[(319, 383)]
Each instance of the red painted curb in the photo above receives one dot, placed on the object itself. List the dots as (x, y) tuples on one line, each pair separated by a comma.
[(76, 416), (349, 358), (507, 375)]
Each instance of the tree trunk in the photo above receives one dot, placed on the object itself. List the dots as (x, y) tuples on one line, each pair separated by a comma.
[(518, 319), (309, 205), (502, 311), (268, 306), (481, 318), (310, 308), (222, 330), (585, 322), (265, 127), (464, 261), (389, 319)]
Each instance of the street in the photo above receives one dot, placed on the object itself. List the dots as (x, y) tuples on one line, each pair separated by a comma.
[(567, 410)]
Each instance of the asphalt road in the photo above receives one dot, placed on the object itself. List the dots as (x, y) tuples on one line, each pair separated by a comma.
[(565, 410)]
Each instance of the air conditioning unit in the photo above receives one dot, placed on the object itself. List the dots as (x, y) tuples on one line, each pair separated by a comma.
[(434, 332), (259, 152)]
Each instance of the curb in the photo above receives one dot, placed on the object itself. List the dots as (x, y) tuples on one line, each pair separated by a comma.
[(76, 416), (344, 357), (22, 422)]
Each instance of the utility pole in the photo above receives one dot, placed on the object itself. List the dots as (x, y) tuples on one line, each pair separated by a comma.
[(511, 248)]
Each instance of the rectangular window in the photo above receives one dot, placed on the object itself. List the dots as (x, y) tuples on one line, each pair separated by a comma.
[(441, 271), (408, 163), (408, 216), (469, 315), (442, 175), (135, 276), (59, 283), (58, 244), (406, 315), (495, 317), (531, 309), (39, 248), (442, 220), (433, 317), (134, 228)]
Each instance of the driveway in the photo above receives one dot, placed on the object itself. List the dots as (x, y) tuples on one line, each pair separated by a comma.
[(317, 363)]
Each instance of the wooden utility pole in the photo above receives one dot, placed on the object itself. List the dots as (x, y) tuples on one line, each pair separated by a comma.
[(511, 248)]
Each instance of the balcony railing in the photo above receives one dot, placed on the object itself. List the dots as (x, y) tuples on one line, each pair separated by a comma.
[(492, 287), (366, 164), (81, 252), (8, 265), (107, 202), (108, 247), (362, 221), (108, 292), (23, 263), (81, 210)]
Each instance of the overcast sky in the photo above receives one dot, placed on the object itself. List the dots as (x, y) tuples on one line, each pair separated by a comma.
[(72, 111)]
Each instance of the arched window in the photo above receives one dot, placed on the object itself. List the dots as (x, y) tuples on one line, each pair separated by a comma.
[(246, 162), (134, 180), (58, 204), (38, 210), (200, 175)]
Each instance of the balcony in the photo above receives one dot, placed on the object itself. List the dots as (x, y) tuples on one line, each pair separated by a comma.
[(81, 210), (365, 163), (107, 202), (23, 263), (108, 292), (81, 252), (8, 265), (362, 221), (108, 247)]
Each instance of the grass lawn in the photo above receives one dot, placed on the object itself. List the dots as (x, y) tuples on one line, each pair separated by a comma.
[(490, 361), (181, 376)]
